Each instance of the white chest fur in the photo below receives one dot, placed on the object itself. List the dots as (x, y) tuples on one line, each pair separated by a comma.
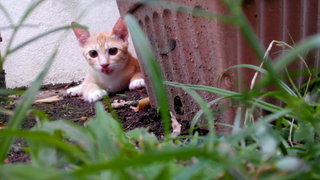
[(115, 81)]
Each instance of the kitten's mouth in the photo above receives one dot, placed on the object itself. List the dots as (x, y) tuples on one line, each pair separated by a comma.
[(106, 70)]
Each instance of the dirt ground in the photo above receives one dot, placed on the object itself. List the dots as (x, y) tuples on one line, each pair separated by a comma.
[(76, 110)]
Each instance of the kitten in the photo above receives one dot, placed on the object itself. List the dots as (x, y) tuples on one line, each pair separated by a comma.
[(113, 68)]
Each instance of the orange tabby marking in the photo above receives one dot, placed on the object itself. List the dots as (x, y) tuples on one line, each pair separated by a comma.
[(113, 68)]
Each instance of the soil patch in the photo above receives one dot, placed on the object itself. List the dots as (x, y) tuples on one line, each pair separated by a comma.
[(76, 110)]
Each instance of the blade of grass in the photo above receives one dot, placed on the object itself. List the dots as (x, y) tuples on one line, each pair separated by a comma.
[(46, 138), (25, 171), (285, 45), (26, 14), (72, 131), (250, 66), (250, 129), (210, 89), (284, 86), (6, 14), (252, 41), (223, 92), (283, 61), (196, 117), (10, 51), (11, 91), (307, 44), (29, 10), (22, 26), (148, 59), (22, 108), (237, 121), (144, 160), (208, 113), (297, 92), (190, 171)]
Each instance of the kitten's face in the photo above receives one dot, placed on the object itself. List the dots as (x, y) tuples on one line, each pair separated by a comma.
[(105, 52)]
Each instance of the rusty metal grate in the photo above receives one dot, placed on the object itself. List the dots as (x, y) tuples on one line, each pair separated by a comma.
[(197, 51)]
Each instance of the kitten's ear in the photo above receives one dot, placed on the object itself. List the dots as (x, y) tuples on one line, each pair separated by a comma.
[(120, 30), (81, 33)]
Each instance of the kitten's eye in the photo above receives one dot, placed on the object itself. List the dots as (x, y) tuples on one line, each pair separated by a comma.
[(93, 53), (113, 51)]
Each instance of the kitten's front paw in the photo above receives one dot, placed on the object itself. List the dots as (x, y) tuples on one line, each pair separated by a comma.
[(95, 95), (137, 83), (75, 91)]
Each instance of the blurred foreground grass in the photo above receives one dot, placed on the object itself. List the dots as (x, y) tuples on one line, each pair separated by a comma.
[(282, 144)]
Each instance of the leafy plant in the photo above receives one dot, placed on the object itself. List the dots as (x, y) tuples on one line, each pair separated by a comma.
[(27, 98), (281, 144)]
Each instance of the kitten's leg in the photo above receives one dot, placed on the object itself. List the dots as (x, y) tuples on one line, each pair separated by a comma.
[(89, 90), (92, 92), (75, 91), (136, 81)]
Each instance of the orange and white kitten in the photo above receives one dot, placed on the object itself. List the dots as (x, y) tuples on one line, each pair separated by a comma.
[(113, 68)]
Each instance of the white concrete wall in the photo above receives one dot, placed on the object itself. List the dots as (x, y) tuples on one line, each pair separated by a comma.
[(23, 66)]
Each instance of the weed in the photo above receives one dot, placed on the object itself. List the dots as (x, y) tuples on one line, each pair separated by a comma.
[(281, 144)]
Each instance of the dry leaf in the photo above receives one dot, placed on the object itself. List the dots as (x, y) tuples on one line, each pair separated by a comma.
[(6, 161), (48, 100), (10, 113), (176, 127), (6, 111), (143, 103), (120, 103), (84, 118), (2, 125)]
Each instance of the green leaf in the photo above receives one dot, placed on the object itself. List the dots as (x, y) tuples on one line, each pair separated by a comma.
[(45, 138), (165, 173), (6, 14), (197, 116), (33, 5), (42, 155), (190, 171), (146, 141), (40, 114), (208, 113), (223, 92), (289, 164), (20, 111), (304, 132), (27, 42), (283, 61), (152, 68), (268, 143), (77, 134), (145, 159), (11, 92), (304, 46), (263, 71), (109, 137), (25, 171), (247, 131), (250, 66)]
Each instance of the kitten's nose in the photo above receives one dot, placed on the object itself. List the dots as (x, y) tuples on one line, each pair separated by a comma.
[(104, 65)]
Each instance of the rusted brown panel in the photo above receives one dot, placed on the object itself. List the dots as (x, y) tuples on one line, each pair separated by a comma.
[(194, 50), (2, 74), (168, 54)]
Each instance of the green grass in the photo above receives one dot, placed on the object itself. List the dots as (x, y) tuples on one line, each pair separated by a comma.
[(282, 144)]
